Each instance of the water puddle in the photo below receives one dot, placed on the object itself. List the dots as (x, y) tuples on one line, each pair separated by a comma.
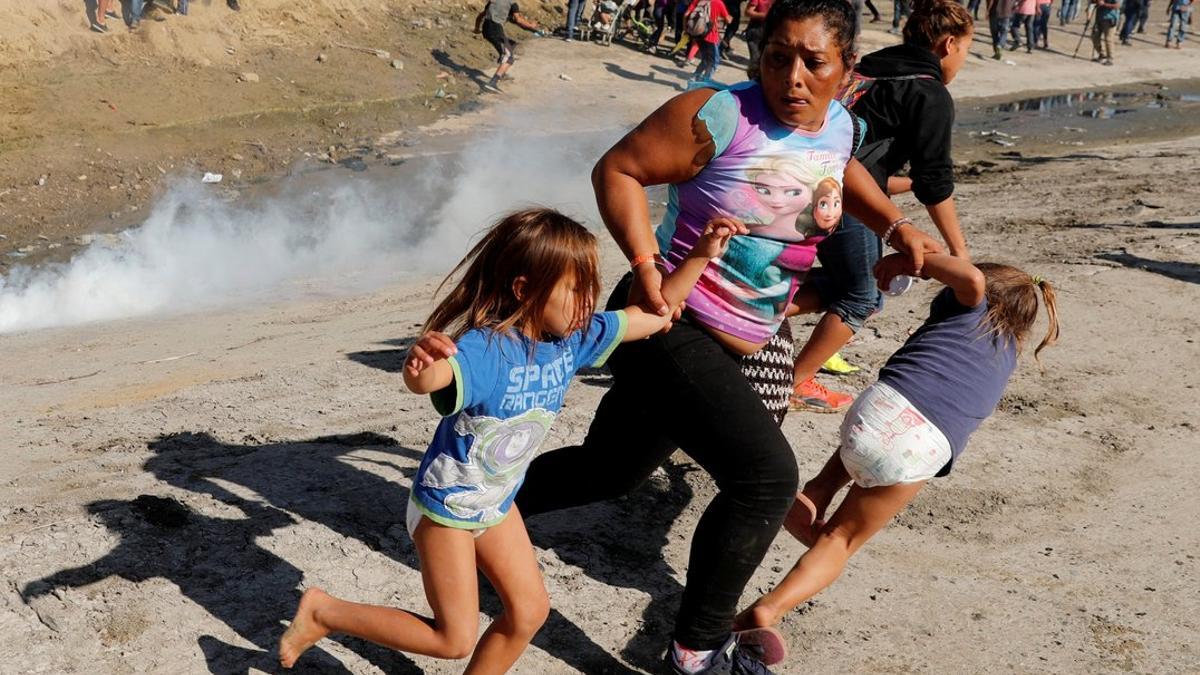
[(1149, 111)]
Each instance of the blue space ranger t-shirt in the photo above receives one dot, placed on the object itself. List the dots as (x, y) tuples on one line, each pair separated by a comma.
[(497, 411)]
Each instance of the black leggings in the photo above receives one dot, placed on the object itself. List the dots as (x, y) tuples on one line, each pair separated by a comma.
[(682, 389), (735, 18)]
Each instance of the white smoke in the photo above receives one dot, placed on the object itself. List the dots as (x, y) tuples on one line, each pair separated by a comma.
[(350, 232)]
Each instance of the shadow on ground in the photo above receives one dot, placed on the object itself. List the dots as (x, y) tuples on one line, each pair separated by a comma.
[(1182, 271), (217, 562)]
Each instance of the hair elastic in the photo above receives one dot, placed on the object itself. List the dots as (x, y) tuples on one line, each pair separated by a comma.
[(1038, 279)]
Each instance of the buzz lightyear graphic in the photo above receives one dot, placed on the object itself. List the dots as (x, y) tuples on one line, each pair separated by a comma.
[(500, 452)]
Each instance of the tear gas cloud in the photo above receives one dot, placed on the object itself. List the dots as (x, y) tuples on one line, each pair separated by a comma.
[(331, 231)]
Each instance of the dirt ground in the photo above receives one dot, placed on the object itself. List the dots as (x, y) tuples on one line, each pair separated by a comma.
[(172, 482), (93, 127)]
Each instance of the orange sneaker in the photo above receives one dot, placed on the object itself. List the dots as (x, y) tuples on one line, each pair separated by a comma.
[(813, 396)]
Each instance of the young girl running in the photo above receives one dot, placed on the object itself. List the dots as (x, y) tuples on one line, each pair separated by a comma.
[(521, 322), (914, 422)]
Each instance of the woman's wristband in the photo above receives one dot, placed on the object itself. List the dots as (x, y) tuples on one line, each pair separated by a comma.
[(643, 259), (887, 235)]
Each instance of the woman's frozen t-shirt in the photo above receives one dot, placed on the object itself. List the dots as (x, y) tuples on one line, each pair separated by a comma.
[(498, 410), (770, 176)]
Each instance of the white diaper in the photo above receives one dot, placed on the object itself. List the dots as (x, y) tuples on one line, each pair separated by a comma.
[(886, 441), (413, 515)]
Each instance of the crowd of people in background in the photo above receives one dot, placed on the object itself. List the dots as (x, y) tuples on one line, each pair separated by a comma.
[(133, 11), (701, 32)]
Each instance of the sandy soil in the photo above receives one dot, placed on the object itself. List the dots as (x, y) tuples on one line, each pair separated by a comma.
[(285, 443)]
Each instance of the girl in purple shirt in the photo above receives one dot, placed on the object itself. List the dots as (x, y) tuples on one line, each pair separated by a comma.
[(910, 425)]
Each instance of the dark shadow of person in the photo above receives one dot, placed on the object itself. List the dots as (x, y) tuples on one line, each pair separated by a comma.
[(1180, 271), (620, 72), (216, 563), (387, 360), (317, 481), (444, 59), (622, 543)]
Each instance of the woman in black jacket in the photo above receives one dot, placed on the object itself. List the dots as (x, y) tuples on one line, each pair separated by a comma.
[(900, 92)]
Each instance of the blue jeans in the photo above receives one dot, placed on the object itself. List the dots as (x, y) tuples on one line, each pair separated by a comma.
[(1041, 26), (181, 7), (1068, 11), (1132, 11), (132, 11), (845, 281), (660, 24), (574, 15), (677, 19), (900, 8), (999, 28), (710, 58), (1177, 28), (1019, 20), (973, 8)]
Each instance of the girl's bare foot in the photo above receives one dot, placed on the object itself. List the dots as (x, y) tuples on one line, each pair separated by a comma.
[(803, 520), (305, 630)]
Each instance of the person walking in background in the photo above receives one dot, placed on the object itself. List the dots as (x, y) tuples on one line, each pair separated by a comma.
[(660, 14), (705, 21), (1041, 24), (900, 9), (1107, 14), (876, 17), (133, 13), (1023, 18), (678, 10), (735, 21), (973, 8), (999, 14), (1144, 16), (490, 23), (574, 16), (1180, 13), (102, 11), (1132, 10), (756, 13), (1068, 11)]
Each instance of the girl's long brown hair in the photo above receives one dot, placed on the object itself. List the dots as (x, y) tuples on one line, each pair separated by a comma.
[(1012, 297), (539, 245)]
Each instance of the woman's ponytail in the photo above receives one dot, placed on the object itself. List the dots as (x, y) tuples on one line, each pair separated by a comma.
[(933, 20)]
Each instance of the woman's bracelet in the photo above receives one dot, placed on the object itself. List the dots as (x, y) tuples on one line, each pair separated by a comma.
[(648, 258), (887, 235)]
